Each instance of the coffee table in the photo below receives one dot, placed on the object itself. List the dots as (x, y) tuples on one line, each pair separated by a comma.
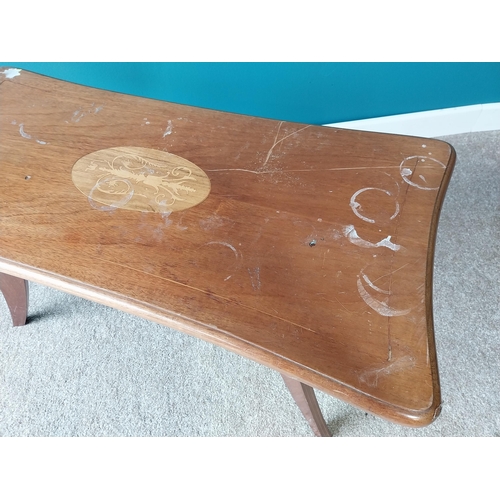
[(308, 249)]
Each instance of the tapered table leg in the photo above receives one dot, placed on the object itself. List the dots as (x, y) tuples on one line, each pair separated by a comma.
[(306, 400), (15, 291)]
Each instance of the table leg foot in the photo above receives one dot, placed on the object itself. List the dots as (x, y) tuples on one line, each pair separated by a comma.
[(15, 291), (308, 404)]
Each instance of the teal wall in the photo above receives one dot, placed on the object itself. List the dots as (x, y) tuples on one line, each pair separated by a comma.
[(304, 92)]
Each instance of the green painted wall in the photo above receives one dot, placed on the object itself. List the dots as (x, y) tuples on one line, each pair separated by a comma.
[(304, 92)]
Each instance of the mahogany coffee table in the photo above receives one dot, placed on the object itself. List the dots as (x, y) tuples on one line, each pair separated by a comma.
[(308, 249)]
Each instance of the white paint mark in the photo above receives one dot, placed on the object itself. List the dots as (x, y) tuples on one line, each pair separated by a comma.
[(375, 287), (158, 234), (351, 234), (102, 208), (378, 306), (118, 204), (371, 377), (23, 133), (422, 177), (424, 145), (165, 216), (406, 172), (211, 223), (255, 278), (335, 234), (394, 215), (79, 114), (13, 122), (169, 128), (355, 206), (11, 72), (223, 243), (180, 227)]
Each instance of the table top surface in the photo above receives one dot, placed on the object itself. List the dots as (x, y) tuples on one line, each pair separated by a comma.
[(308, 249)]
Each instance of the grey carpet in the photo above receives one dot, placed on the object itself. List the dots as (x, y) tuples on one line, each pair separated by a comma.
[(82, 369)]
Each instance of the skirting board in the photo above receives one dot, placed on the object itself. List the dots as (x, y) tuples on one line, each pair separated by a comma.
[(441, 122)]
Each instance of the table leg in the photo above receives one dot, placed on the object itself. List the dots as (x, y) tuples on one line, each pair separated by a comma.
[(15, 291), (306, 400)]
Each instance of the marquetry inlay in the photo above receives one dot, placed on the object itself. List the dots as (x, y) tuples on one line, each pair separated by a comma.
[(142, 179)]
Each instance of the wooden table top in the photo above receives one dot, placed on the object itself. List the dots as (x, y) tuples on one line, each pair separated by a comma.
[(308, 249)]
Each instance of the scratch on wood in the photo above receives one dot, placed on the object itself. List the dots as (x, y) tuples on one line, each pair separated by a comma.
[(205, 292), (310, 170), (276, 142), (392, 272), (342, 305), (337, 300), (376, 288)]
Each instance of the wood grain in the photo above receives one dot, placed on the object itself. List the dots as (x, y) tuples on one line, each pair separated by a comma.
[(308, 404), (312, 253), (16, 293)]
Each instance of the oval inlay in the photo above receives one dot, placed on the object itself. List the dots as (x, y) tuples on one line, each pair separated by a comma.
[(142, 179)]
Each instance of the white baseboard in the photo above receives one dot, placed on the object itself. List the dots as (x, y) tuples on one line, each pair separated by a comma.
[(450, 121)]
